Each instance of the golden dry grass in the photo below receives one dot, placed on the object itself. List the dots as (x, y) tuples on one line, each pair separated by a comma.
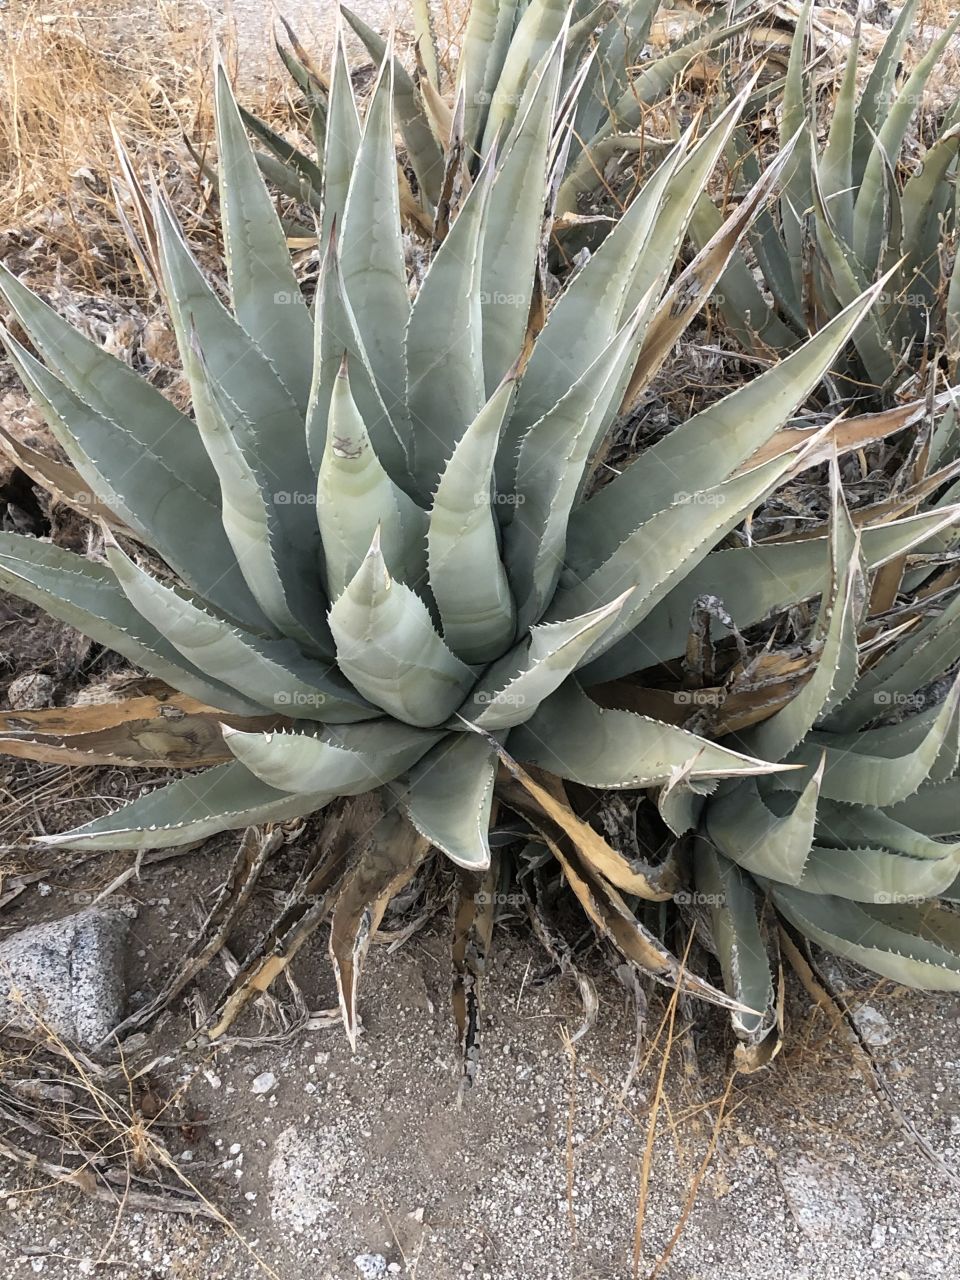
[(66, 72)]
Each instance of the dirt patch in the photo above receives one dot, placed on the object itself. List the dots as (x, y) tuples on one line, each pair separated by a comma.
[(316, 1156)]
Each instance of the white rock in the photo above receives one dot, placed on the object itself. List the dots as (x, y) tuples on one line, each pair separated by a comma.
[(873, 1026), (264, 1082), (371, 1265)]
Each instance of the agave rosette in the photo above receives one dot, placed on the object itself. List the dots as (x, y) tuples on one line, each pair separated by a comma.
[(609, 69), (852, 209), (859, 850), (390, 571)]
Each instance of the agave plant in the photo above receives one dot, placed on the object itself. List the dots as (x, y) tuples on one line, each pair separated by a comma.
[(373, 562), (848, 849), (605, 69), (852, 210)]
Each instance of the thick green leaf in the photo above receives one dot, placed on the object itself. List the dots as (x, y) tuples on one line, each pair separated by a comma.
[(933, 810), (448, 796), (336, 333), (915, 945), (663, 549), (341, 143), (689, 461), (735, 928), (272, 673), (836, 638), (537, 31), (388, 649), (551, 466), (879, 90), (86, 595), (166, 512), (760, 839), (113, 390), (858, 776), (586, 317), (264, 289), (486, 39), (226, 798), (836, 166), (574, 738), (422, 148), (280, 571), (344, 761), (512, 689), (371, 246), (512, 233), (467, 576), (355, 497), (868, 221), (444, 358), (754, 583)]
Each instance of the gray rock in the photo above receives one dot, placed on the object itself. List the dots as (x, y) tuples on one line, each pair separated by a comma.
[(29, 692), (824, 1198), (68, 972), (371, 1265), (873, 1026)]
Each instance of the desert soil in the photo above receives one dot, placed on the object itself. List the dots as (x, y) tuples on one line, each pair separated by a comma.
[(317, 1157)]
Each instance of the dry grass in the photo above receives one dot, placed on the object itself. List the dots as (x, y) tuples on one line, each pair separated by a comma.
[(63, 74)]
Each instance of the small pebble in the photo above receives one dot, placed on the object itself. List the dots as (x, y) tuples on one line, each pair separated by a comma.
[(264, 1082)]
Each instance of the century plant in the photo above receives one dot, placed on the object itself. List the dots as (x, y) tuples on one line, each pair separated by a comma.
[(376, 561), (849, 848), (854, 208), (607, 70)]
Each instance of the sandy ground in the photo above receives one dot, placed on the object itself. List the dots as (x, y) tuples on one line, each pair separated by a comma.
[(537, 1175)]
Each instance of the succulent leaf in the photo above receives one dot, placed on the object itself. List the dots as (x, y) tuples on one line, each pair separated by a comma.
[(467, 576), (355, 497), (87, 595), (371, 245), (443, 348), (735, 930), (512, 688), (388, 649), (448, 795), (574, 738), (915, 945), (264, 290), (225, 798), (270, 672), (343, 761)]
